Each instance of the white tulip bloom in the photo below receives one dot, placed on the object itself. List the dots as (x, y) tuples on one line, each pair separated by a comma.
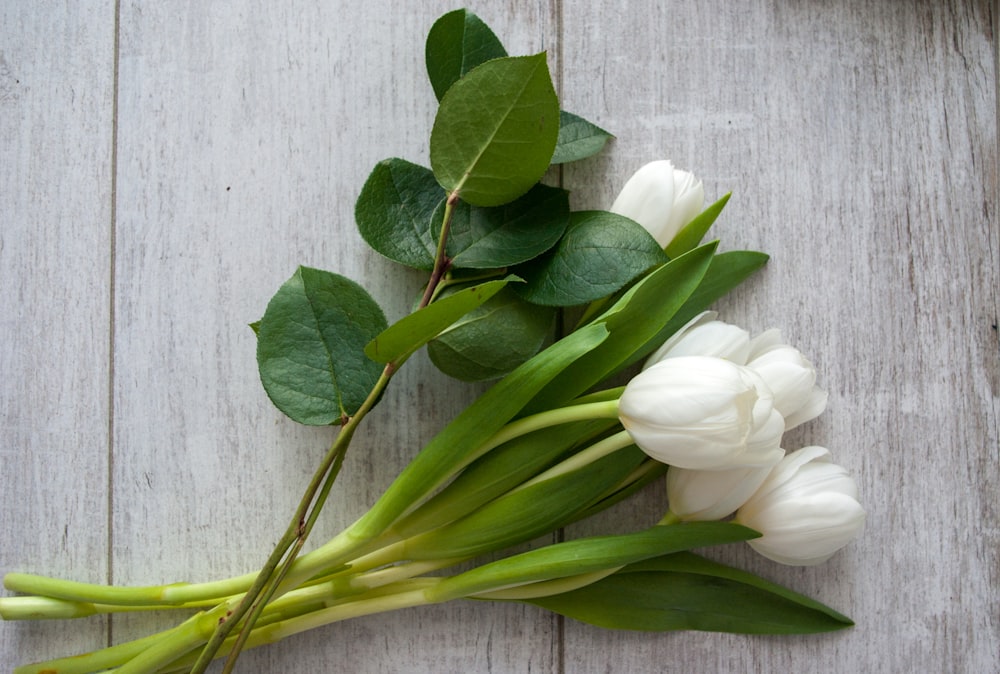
[(662, 199), (709, 495), (702, 413), (705, 336), (789, 375), (806, 509)]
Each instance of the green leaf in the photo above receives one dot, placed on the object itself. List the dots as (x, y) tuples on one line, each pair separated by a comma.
[(495, 130), (493, 339), (499, 471), (599, 253), (458, 42), (686, 592), (526, 512), (491, 238), (726, 271), (462, 441), (310, 347), (394, 212), (693, 232), (578, 138), (587, 555), (634, 320), (397, 342)]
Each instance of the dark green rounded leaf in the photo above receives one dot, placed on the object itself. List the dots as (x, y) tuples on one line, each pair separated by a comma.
[(598, 255), (458, 42), (394, 212), (578, 139), (495, 130), (491, 238), (492, 339), (310, 347)]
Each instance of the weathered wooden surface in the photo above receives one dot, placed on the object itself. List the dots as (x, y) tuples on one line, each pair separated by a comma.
[(164, 167)]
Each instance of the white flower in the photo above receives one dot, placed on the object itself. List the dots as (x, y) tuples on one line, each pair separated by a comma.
[(662, 199), (705, 336), (709, 495), (789, 375), (806, 509), (702, 413)]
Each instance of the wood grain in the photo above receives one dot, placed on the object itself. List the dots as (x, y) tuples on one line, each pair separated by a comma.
[(56, 121), (139, 236)]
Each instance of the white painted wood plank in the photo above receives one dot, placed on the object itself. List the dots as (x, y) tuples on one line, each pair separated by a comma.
[(245, 134), (859, 140), (56, 108)]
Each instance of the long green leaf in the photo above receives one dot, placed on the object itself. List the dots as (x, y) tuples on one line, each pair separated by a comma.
[(587, 555), (495, 130), (460, 442), (310, 347), (726, 271), (407, 335), (693, 232), (685, 592), (525, 513), (635, 319), (499, 471)]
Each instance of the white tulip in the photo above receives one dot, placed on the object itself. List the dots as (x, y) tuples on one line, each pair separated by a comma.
[(702, 413), (662, 199), (709, 495), (789, 375), (705, 336), (806, 509)]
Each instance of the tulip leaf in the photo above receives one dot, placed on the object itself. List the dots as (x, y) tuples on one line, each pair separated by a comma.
[(634, 320), (526, 512), (458, 42), (693, 232), (495, 130), (310, 347), (578, 139), (726, 271), (587, 555), (394, 212), (462, 441), (490, 238), (492, 339), (499, 471), (397, 342), (685, 592), (599, 253)]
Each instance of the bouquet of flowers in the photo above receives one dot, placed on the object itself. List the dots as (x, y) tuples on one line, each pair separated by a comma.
[(555, 440)]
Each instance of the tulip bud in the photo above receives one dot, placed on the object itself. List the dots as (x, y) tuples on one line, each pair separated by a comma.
[(806, 509), (662, 199), (789, 375), (702, 413), (705, 336), (709, 495)]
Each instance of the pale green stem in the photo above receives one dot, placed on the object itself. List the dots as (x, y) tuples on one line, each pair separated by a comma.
[(546, 588), (335, 552), (668, 519), (191, 634), (598, 450)]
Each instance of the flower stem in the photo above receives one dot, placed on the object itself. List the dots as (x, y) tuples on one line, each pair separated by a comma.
[(297, 531)]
